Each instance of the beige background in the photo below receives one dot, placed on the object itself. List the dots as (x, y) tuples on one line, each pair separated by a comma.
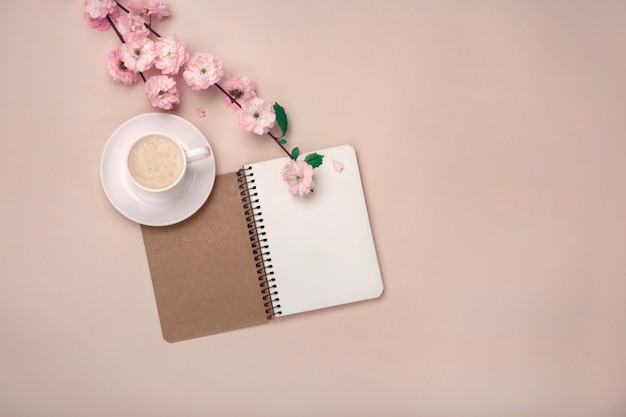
[(492, 140)]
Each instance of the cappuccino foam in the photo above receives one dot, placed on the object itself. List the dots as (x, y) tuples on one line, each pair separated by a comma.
[(155, 162)]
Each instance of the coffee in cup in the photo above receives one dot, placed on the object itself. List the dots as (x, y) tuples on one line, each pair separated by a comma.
[(157, 163)]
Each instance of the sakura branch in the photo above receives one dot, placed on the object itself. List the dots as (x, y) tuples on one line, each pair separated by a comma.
[(161, 61)]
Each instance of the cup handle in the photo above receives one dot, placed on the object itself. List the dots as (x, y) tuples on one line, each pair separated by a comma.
[(197, 153)]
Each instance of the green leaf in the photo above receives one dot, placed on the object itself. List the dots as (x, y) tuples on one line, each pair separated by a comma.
[(281, 119), (295, 152), (282, 141), (314, 159)]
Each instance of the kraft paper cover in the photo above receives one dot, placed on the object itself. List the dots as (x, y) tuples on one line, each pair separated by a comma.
[(202, 269)]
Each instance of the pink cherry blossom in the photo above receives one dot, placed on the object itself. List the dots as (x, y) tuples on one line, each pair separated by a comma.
[(99, 24), (202, 71), (162, 91), (256, 115), (299, 176), (131, 23), (138, 53), (240, 88), (99, 9), (170, 54), (157, 9), (118, 70)]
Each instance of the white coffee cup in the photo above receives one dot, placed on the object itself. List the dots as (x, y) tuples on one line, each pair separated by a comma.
[(157, 163)]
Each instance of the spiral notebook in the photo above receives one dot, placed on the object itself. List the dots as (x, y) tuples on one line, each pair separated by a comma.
[(255, 253)]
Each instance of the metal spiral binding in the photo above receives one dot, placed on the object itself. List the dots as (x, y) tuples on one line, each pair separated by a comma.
[(258, 242)]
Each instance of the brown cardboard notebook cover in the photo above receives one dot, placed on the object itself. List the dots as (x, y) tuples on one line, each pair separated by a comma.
[(181, 257), (211, 272)]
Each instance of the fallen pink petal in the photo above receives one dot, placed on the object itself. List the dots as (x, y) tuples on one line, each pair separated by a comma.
[(337, 166)]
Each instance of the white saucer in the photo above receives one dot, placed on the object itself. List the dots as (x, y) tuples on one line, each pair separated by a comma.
[(143, 207)]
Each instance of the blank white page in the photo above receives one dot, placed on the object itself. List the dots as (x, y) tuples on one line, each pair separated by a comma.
[(321, 245)]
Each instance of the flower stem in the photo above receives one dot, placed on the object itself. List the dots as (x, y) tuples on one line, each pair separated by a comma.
[(119, 35), (227, 94), (219, 87), (148, 26), (122, 7), (281, 145), (117, 32), (234, 100)]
